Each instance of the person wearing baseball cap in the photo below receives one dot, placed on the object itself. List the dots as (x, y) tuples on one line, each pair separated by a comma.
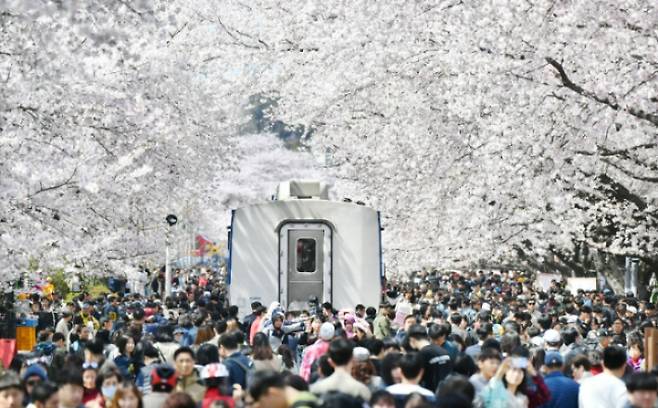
[(564, 390)]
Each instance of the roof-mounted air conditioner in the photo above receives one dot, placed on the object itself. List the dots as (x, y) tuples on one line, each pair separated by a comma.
[(302, 190)]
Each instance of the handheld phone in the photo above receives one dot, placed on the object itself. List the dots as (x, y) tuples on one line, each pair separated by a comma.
[(520, 362)]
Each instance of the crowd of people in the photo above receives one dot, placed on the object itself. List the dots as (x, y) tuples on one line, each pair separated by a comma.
[(468, 339)]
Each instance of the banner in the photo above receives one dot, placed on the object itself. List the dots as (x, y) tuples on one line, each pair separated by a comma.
[(544, 280), (7, 351), (202, 245), (586, 284)]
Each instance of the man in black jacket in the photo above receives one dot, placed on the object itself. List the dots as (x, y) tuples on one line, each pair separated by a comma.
[(436, 360)]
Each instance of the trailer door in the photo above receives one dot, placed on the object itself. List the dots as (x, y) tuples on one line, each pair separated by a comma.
[(305, 264)]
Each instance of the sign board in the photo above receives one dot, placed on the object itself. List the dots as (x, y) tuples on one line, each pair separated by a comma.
[(587, 284), (544, 280), (651, 348), (7, 351)]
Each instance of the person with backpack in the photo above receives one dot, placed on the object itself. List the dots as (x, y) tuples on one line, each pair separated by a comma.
[(237, 364), (152, 359), (163, 381)]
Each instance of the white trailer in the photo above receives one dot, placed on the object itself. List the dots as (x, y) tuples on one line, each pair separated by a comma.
[(302, 245)]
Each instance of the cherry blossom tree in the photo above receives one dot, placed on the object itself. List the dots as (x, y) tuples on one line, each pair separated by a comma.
[(482, 131)]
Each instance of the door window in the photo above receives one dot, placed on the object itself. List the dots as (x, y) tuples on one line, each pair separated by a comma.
[(306, 255)]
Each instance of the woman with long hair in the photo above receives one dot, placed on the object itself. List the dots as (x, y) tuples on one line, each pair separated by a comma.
[(90, 392), (288, 359), (363, 370), (263, 356), (125, 361), (127, 395), (204, 334), (507, 389)]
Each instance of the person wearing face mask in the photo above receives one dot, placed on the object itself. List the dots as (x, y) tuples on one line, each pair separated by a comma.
[(108, 382)]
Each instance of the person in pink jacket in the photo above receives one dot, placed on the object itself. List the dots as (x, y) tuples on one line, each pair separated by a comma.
[(317, 350)]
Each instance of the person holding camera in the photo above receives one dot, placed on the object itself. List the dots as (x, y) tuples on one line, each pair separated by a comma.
[(507, 389)]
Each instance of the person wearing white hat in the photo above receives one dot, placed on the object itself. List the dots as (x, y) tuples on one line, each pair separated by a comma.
[(215, 377), (317, 350), (552, 340)]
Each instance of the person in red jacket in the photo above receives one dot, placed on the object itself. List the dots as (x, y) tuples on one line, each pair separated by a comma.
[(215, 378)]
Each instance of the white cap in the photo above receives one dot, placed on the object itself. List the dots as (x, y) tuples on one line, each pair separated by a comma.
[(631, 309), (214, 370), (552, 336), (361, 354), (486, 306), (537, 341), (327, 331)]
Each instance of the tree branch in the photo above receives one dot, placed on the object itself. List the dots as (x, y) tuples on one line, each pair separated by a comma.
[(100, 215), (233, 36), (131, 8), (608, 101), (629, 173), (56, 186), (172, 36), (621, 152)]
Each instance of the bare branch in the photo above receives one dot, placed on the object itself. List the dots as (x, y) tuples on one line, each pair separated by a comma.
[(100, 215), (29, 139), (56, 186), (172, 36), (606, 152), (131, 8), (608, 101), (233, 36), (630, 173)]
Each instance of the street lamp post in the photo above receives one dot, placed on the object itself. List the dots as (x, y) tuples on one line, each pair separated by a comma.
[(171, 221)]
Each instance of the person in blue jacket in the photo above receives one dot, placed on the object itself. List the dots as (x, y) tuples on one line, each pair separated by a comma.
[(237, 364), (564, 390)]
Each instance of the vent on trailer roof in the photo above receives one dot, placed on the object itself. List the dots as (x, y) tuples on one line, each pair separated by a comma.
[(302, 190)]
